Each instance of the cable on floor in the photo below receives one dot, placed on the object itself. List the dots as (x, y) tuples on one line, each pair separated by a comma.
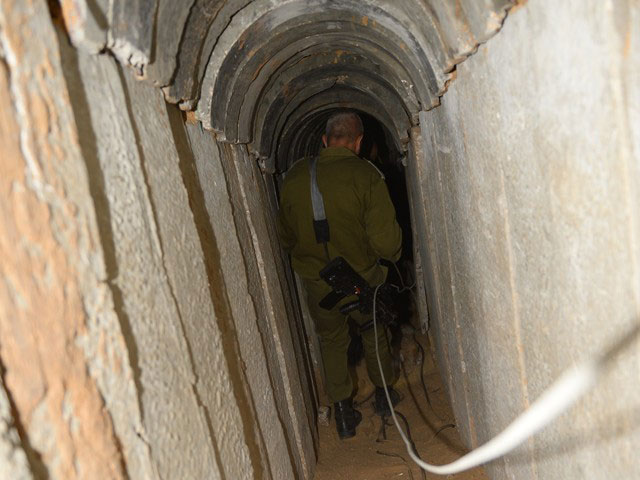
[(560, 396)]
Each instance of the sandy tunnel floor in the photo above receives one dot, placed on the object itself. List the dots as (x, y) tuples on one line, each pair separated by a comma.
[(371, 456)]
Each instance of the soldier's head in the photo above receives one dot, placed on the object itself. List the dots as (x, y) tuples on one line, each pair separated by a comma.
[(344, 129)]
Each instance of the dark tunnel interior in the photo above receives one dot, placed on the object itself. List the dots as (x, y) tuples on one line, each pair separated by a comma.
[(151, 323)]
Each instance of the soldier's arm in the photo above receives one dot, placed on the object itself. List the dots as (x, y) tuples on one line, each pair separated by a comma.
[(286, 234), (385, 235)]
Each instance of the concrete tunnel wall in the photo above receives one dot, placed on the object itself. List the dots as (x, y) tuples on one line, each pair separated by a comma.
[(142, 275), (136, 266), (528, 174)]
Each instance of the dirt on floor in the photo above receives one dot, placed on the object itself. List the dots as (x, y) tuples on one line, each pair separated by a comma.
[(378, 452)]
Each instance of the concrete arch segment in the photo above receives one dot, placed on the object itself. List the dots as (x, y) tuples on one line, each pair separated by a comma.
[(320, 60), (302, 138), (289, 97), (333, 45), (299, 129), (259, 24), (235, 78), (208, 19), (220, 54)]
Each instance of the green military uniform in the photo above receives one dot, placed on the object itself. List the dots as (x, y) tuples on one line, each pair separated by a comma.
[(363, 228)]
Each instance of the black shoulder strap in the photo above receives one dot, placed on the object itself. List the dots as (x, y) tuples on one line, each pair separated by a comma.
[(320, 222)]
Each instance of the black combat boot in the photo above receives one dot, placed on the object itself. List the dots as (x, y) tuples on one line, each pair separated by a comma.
[(347, 418), (381, 405)]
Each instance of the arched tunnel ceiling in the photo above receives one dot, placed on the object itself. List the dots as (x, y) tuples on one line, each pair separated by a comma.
[(267, 72)]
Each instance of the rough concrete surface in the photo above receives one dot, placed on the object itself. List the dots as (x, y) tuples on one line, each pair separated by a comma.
[(248, 196), (157, 333), (165, 47), (184, 264), (132, 32), (13, 460), (141, 273), (253, 337), (51, 269), (146, 303), (219, 55), (87, 23), (535, 189)]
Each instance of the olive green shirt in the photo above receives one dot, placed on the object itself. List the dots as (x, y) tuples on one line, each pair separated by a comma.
[(362, 220)]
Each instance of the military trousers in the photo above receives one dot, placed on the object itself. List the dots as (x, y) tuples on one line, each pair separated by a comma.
[(333, 330)]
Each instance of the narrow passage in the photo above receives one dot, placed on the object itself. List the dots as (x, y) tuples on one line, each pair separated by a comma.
[(371, 456), (377, 451)]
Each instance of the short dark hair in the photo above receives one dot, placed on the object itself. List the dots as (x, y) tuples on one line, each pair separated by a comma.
[(345, 125)]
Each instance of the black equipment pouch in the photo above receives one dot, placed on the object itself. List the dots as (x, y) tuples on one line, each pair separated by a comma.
[(345, 281)]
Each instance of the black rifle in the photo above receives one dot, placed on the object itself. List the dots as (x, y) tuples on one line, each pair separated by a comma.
[(345, 281)]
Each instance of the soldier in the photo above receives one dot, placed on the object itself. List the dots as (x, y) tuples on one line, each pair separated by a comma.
[(363, 229)]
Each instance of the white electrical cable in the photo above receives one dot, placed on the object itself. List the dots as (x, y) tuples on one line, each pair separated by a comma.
[(574, 383)]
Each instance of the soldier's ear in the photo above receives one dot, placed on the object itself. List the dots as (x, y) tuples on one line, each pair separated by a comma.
[(358, 143), (324, 141)]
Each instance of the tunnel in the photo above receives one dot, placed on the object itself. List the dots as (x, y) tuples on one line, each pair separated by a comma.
[(151, 326)]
